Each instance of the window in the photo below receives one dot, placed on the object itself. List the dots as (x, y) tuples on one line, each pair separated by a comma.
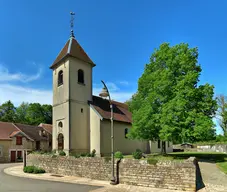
[(159, 144), (168, 143), (60, 124), (80, 76), (126, 132), (19, 154), (18, 140), (60, 78), (82, 110)]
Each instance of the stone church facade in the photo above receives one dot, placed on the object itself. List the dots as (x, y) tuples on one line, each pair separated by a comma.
[(81, 121)]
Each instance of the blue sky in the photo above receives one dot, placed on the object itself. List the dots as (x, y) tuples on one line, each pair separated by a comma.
[(119, 36)]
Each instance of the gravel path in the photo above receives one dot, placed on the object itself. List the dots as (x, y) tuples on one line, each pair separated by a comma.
[(213, 178)]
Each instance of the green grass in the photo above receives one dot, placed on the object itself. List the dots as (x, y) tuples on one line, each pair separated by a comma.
[(222, 166)]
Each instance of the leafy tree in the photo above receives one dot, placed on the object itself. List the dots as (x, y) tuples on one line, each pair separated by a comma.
[(21, 113), (169, 105), (222, 112), (7, 112), (47, 112), (35, 114)]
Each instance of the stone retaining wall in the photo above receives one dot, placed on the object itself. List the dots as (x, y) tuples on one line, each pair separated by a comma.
[(212, 148), (166, 174)]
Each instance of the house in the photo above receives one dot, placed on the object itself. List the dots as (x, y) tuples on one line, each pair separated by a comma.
[(16, 138), (81, 121)]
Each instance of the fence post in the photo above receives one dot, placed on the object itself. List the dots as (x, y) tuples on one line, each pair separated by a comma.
[(25, 158)]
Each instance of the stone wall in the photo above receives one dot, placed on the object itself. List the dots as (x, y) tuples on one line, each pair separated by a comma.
[(165, 174), (212, 148)]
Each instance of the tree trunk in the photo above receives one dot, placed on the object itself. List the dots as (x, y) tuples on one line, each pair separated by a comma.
[(163, 147)]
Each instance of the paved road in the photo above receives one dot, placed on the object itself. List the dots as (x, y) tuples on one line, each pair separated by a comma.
[(213, 178), (16, 184)]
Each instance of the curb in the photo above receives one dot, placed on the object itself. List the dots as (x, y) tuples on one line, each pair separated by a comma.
[(45, 177)]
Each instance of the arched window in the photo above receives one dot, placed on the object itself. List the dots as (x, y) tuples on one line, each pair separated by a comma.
[(126, 133), (60, 124), (60, 78), (60, 141), (80, 76)]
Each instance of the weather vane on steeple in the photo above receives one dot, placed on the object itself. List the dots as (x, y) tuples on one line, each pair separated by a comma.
[(72, 23)]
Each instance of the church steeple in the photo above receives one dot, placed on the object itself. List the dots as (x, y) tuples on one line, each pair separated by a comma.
[(72, 48)]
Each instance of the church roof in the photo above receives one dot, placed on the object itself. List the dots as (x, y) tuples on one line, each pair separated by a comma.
[(120, 110), (72, 48)]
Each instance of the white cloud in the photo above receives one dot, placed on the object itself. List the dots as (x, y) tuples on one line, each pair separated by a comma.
[(125, 83), (18, 94), (6, 76)]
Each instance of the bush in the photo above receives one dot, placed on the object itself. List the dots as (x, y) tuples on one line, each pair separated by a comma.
[(118, 155), (93, 153), (33, 169), (62, 153), (152, 161), (138, 154)]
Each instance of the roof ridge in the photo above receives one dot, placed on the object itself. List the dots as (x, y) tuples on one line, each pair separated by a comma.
[(22, 131)]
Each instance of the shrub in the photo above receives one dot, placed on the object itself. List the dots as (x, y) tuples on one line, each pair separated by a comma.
[(54, 151), (62, 153), (93, 153), (152, 161), (33, 169), (138, 154), (76, 155), (85, 155), (118, 155)]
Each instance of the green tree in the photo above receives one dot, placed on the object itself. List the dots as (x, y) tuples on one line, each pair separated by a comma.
[(222, 112), (169, 105), (7, 112), (47, 112), (35, 114), (21, 113)]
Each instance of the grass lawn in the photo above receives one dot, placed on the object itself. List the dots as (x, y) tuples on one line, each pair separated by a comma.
[(222, 166)]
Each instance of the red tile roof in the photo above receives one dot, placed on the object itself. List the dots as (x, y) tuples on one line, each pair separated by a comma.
[(72, 48), (6, 129), (14, 133), (47, 127), (120, 110)]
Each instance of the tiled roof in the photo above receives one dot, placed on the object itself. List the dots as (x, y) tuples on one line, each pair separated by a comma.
[(47, 127), (120, 110), (6, 129), (14, 133), (31, 131), (72, 48)]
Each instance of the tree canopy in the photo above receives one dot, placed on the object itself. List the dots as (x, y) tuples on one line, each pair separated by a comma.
[(26, 113), (169, 104)]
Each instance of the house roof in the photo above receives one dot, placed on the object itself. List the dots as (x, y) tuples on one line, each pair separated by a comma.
[(31, 131), (47, 127), (6, 129), (72, 48), (120, 110)]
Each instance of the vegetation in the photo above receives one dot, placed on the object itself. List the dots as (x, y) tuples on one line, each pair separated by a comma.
[(32, 114), (222, 166), (152, 161), (33, 169), (62, 153), (118, 155), (169, 104), (222, 112), (138, 154)]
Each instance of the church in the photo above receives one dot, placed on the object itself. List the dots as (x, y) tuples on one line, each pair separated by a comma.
[(81, 121)]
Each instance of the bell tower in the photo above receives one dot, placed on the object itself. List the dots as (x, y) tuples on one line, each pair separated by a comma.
[(72, 89)]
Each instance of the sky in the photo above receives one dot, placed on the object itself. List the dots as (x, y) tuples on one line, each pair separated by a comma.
[(119, 36)]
